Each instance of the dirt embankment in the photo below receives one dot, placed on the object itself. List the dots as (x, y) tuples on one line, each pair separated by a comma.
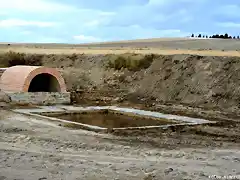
[(33, 149), (189, 80)]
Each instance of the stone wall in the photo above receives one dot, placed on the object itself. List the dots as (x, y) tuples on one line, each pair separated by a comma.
[(40, 98)]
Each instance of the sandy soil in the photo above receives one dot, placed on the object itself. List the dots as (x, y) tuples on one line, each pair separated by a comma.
[(35, 149)]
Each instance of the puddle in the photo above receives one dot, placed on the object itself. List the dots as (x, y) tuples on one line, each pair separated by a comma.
[(110, 119)]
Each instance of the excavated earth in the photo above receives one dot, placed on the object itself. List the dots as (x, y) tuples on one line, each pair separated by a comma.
[(196, 86)]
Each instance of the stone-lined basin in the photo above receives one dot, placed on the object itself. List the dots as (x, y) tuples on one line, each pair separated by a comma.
[(100, 118)]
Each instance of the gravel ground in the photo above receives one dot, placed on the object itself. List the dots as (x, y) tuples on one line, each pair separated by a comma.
[(37, 149)]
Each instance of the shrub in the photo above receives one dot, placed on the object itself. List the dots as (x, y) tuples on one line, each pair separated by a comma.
[(14, 58), (132, 62)]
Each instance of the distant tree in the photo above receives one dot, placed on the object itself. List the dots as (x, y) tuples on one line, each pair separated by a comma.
[(222, 36), (226, 36), (229, 37), (234, 37), (206, 36), (203, 36), (217, 36), (199, 35), (192, 35), (237, 37), (210, 36)]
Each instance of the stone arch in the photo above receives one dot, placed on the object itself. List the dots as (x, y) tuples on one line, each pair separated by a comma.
[(32, 79)]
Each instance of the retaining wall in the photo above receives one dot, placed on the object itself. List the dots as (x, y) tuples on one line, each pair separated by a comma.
[(40, 98)]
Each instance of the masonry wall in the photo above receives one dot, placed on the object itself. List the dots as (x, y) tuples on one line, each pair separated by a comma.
[(18, 78), (40, 98)]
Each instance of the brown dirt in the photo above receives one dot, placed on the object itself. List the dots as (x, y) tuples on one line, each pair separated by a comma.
[(192, 85), (36, 149), (189, 80)]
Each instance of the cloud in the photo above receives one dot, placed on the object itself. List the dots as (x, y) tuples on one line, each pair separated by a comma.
[(106, 5), (77, 21), (34, 6), (93, 23), (97, 22), (18, 22), (84, 39), (26, 32)]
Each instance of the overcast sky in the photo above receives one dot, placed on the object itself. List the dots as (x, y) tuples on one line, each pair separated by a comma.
[(80, 21)]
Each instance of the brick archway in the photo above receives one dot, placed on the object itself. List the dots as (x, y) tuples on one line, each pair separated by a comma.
[(19, 79)]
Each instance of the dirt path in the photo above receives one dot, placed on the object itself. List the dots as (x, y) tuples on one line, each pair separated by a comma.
[(32, 149)]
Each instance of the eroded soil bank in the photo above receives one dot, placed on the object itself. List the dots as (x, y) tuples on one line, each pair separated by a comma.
[(189, 80), (196, 86)]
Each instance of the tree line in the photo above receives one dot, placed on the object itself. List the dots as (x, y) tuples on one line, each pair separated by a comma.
[(219, 36)]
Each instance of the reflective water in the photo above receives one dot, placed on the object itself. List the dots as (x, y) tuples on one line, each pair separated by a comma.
[(111, 119)]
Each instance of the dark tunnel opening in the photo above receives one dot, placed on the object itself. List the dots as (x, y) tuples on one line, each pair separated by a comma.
[(44, 83)]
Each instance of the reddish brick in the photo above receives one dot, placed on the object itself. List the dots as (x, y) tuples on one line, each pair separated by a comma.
[(18, 78)]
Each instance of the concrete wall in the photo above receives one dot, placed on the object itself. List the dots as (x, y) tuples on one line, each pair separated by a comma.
[(40, 98)]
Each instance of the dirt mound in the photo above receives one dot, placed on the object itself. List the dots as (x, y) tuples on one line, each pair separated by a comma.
[(192, 80)]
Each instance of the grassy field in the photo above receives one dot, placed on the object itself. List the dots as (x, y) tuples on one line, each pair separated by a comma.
[(164, 46), (119, 51)]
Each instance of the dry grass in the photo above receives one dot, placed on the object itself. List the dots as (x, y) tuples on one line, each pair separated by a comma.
[(119, 51), (144, 40)]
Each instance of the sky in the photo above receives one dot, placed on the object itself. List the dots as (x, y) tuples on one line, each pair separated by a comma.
[(83, 21)]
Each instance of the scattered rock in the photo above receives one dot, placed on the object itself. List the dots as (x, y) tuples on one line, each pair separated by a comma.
[(42, 178), (4, 97), (168, 170)]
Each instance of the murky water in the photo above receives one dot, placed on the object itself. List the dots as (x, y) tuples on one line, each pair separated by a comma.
[(110, 119)]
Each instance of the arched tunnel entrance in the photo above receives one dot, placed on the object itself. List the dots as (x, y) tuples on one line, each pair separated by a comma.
[(44, 83)]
